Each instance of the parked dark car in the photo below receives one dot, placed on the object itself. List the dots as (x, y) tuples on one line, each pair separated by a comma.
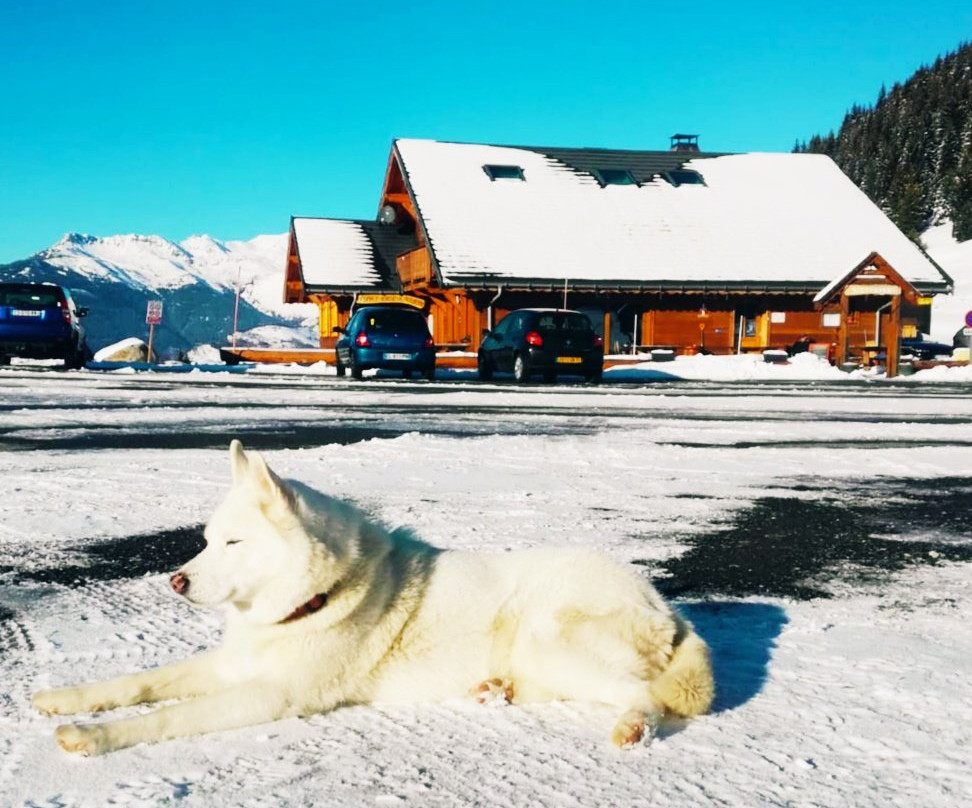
[(41, 321), (922, 348), (388, 338), (550, 342)]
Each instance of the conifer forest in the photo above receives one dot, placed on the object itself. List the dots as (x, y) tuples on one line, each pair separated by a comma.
[(911, 152)]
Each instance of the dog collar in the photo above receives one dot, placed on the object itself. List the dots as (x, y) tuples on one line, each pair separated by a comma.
[(315, 604)]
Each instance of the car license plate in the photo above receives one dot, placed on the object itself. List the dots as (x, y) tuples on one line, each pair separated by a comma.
[(569, 360), (26, 312), (402, 357)]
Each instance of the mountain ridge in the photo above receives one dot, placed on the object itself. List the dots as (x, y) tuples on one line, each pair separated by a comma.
[(196, 279)]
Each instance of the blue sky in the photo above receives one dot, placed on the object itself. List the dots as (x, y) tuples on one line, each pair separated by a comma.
[(176, 118)]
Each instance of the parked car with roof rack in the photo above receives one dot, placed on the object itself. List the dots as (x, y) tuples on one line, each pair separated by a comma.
[(551, 342), (41, 321), (386, 337)]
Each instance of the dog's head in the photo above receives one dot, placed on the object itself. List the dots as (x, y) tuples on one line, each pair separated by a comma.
[(260, 556)]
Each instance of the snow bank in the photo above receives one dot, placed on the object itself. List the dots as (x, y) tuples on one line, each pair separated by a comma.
[(955, 257)]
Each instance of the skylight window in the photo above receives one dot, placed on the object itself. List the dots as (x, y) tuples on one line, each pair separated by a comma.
[(614, 176), (496, 172), (683, 176)]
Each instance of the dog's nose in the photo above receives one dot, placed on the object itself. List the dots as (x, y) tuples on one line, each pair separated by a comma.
[(179, 582)]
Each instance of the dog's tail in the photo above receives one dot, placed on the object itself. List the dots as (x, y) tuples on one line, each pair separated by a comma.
[(686, 687)]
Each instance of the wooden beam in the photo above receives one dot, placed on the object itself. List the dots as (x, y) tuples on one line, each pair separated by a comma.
[(892, 341)]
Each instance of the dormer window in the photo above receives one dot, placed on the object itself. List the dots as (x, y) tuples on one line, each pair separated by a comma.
[(498, 172), (683, 176), (614, 176)]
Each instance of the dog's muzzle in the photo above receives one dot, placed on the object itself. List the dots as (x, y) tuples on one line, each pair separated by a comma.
[(179, 582)]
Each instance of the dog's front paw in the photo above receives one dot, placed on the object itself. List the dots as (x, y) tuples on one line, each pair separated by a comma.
[(57, 702), (81, 739)]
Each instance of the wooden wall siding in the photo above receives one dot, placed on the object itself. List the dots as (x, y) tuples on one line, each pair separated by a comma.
[(455, 321), (790, 326), (414, 269), (681, 330), (328, 316)]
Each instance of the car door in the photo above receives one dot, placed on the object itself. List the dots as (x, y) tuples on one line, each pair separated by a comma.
[(501, 349), (343, 345)]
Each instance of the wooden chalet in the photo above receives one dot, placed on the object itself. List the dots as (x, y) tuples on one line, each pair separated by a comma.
[(679, 249)]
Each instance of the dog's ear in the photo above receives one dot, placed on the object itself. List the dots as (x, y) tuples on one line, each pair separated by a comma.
[(253, 469), (239, 462)]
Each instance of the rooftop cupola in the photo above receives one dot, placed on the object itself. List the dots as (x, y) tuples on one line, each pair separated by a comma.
[(685, 143)]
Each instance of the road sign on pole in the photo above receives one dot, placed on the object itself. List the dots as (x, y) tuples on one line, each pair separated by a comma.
[(153, 316)]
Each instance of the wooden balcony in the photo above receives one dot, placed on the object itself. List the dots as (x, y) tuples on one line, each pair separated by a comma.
[(414, 269)]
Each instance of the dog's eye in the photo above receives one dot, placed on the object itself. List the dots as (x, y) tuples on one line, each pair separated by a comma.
[(232, 541)]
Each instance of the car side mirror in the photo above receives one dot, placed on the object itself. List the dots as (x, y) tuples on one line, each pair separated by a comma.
[(337, 330), (486, 333)]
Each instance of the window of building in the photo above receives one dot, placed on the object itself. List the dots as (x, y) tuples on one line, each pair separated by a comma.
[(683, 176), (498, 172), (614, 176)]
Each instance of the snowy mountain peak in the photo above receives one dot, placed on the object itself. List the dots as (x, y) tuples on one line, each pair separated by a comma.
[(204, 245), (72, 239)]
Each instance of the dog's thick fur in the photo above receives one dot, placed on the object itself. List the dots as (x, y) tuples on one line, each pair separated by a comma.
[(324, 608)]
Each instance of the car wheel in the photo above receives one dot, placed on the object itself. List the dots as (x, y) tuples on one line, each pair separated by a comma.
[(356, 369), (76, 358), (521, 368), (4, 360), (429, 373), (485, 368), (593, 378), (339, 368)]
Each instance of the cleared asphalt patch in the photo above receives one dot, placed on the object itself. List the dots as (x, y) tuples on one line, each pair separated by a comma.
[(801, 547), (129, 557)]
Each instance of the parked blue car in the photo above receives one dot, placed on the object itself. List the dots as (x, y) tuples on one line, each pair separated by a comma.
[(388, 338), (41, 321), (922, 348)]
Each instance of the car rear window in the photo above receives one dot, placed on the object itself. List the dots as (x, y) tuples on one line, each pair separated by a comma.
[(563, 321), (29, 298), (394, 320)]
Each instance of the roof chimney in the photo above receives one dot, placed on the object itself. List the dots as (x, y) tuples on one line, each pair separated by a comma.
[(687, 143)]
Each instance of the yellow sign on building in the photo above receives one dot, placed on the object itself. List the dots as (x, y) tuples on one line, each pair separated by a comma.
[(376, 298)]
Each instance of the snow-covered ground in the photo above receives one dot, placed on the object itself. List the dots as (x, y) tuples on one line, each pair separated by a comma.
[(841, 636)]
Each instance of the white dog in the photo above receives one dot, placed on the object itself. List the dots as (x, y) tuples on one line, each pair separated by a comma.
[(325, 608)]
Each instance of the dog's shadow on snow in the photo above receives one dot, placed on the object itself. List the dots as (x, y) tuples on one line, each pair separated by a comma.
[(741, 637)]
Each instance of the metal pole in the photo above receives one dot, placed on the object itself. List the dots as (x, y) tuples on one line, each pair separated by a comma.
[(236, 307)]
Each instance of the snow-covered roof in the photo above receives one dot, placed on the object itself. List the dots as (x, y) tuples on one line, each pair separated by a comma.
[(335, 252), (760, 218)]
